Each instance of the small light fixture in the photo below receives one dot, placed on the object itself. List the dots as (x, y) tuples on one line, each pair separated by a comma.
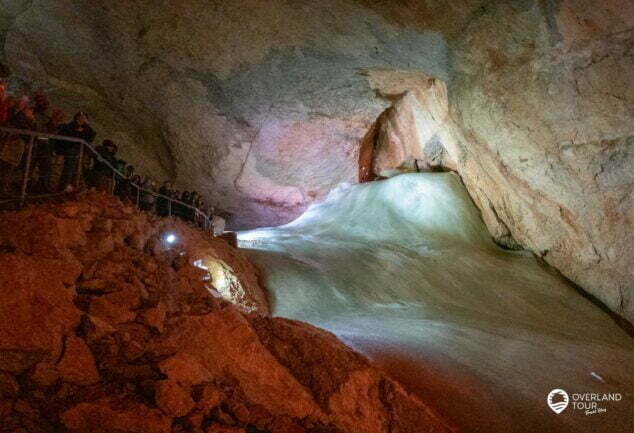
[(170, 238)]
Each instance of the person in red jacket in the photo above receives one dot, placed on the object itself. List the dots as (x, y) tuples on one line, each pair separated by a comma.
[(14, 147)]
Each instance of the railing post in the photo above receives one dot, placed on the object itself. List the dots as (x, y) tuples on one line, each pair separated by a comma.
[(138, 195), (80, 163), (114, 181), (27, 171), (169, 207)]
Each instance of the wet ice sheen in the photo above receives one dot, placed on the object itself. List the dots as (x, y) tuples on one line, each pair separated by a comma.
[(404, 271)]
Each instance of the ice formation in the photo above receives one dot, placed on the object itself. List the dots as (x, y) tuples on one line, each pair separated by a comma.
[(404, 271)]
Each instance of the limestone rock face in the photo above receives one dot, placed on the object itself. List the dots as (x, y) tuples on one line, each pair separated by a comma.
[(547, 139), (263, 106), (540, 131), (136, 338), (257, 104)]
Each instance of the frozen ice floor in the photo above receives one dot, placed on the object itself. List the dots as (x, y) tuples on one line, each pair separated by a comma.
[(405, 272)]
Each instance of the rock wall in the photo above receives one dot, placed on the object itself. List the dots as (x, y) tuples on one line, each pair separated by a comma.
[(108, 328), (538, 123), (545, 106)]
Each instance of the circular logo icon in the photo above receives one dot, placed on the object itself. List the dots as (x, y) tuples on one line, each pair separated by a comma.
[(558, 400)]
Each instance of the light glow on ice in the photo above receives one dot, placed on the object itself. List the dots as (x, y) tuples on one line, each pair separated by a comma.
[(404, 271)]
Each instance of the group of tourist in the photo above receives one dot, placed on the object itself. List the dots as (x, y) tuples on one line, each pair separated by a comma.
[(95, 170), (191, 198), (19, 113), (166, 201)]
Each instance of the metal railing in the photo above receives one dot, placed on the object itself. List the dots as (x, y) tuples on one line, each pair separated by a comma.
[(84, 148)]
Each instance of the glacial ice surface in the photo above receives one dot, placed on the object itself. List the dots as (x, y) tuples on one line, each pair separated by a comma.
[(405, 272)]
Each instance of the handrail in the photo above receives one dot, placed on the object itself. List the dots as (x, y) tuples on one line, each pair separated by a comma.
[(36, 134)]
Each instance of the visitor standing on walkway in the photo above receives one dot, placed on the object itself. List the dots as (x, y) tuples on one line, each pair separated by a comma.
[(101, 173), (43, 149), (78, 128)]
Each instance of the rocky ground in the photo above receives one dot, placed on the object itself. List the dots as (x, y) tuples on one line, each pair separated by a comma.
[(106, 328)]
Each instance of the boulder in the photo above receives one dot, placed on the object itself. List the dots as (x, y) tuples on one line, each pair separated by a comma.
[(111, 313), (172, 398), (97, 285), (155, 317), (112, 415), (127, 296), (38, 309), (9, 387), (77, 364), (204, 341), (45, 374)]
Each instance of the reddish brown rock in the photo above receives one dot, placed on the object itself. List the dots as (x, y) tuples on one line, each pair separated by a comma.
[(127, 297), (32, 232), (45, 374), (6, 408), (78, 364), (172, 398), (210, 397), (98, 328), (100, 244), (285, 425), (155, 317), (24, 408), (71, 232), (9, 387), (112, 270), (17, 361), (223, 429), (102, 308), (165, 346), (111, 415), (243, 357), (97, 286), (184, 368), (39, 308)]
